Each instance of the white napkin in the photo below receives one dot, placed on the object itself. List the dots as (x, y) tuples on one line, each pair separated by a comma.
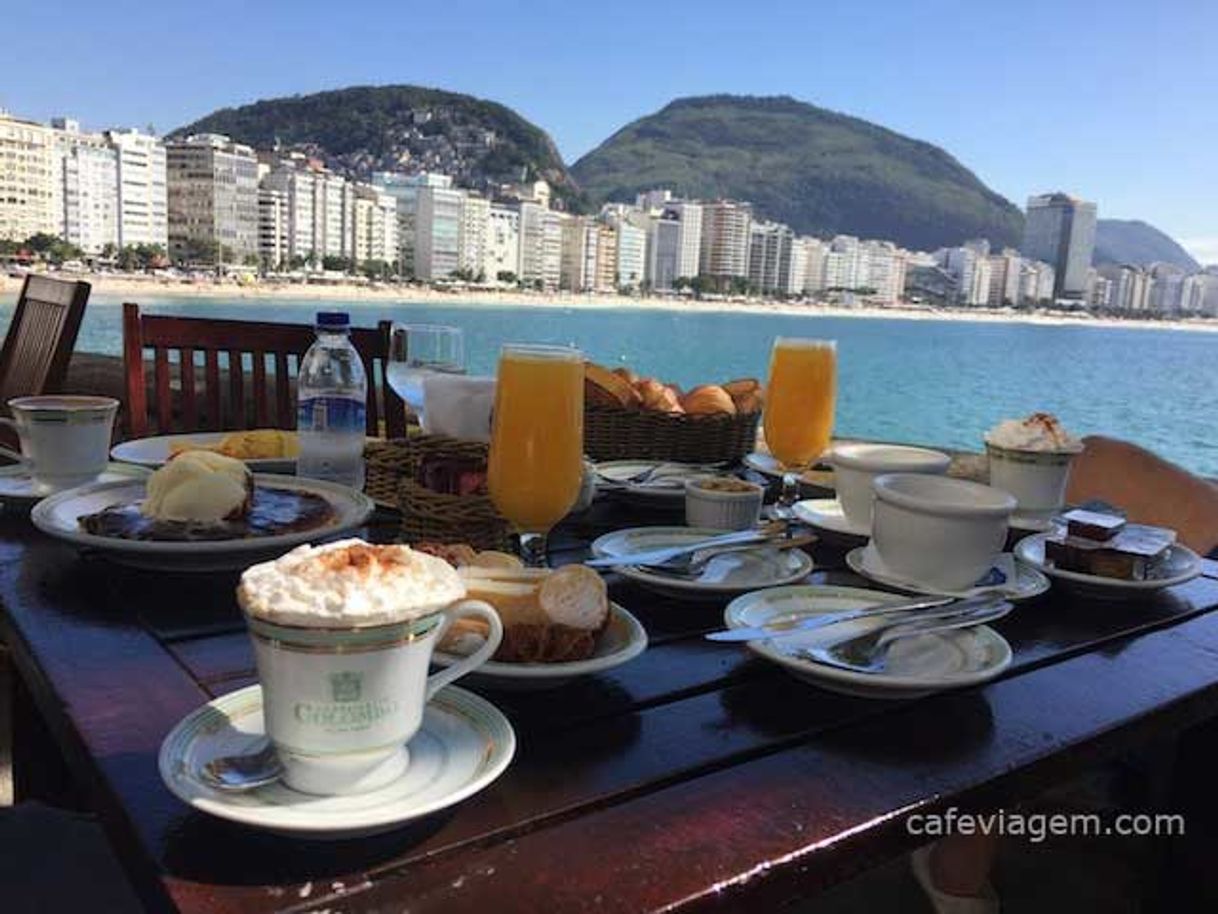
[(458, 406)]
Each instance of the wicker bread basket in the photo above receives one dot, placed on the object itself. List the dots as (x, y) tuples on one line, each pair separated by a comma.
[(427, 516), (612, 433)]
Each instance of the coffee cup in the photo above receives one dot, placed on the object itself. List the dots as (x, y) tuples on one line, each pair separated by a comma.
[(855, 467), (937, 532), (343, 635), (65, 440), (1037, 478)]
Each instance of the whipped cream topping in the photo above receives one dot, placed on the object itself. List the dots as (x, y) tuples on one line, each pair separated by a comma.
[(349, 583), (1037, 432), (199, 486)]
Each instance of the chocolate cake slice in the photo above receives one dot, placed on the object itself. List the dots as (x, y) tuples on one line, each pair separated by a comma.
[(1131, 554)]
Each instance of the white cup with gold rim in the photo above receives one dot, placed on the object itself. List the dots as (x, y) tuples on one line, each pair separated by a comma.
[(65, 439)]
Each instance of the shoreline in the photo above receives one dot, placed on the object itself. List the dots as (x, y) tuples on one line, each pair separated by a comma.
[(112, 286)]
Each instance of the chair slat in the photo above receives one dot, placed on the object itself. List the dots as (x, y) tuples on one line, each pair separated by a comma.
[(283, 393), (164, 395), (236, 390), (211, 370), (260, 405), (186, 369)]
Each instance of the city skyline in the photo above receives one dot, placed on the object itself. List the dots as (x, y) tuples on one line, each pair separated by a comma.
[(1020, 79)]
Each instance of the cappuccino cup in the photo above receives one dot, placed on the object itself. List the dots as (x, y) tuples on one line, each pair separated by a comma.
[(65, 440)]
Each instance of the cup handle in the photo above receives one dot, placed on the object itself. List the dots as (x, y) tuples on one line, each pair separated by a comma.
[(481, 609), (9, 452)]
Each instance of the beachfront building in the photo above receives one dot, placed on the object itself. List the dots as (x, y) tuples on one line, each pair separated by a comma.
[(475, 224), (212, 200), (84, 187), (143, 215), (1005, 269), (969, 266), (1060, 231), (501, 251), (405, 191), (274, 237), (541, 246), (663, 252), (1037, 280), (631, 243), (26, 205), (290, 181), (815, 252), (724, 249), (769, 263), (375, 226), (580, 244), (437, 241), (886, 265)]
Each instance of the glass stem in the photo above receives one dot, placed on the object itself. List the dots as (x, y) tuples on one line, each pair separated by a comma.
[(534, 550), (787, 499)]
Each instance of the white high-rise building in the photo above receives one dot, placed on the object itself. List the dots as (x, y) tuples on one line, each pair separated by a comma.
[(770, 256), (663, 252), (1036, 282), (375, 226), (815, 254), (84, 187), (689, 250), (274, 237), (213, 199), (1060, 231), (142, 192), (501, 251), (437, 241), (580, 251), (333, 215), (1005, 269), (541, 246), (291, 178), (724, 252), (885, 265), (405, 190), (475, 224), (631, 255), (26, 186)]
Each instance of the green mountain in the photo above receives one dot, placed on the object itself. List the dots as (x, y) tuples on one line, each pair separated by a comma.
[(371, 128), (820, 172), (1134, 242)]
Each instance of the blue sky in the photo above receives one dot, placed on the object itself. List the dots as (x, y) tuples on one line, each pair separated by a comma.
[(1115, 101)]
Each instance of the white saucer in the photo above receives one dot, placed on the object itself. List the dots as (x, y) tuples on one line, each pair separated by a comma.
[(464, 743), (916, 665), (623, 639), (1027, 523), (18, 489), (1181, 565), (726, 575), (154, 452), (1022, 581), (668, 484), (827, 514), (769, 465)]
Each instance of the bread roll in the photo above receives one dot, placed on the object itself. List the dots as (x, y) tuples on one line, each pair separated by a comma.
[(708, 400), (742, 386), (604, 388), (626, 375), (492, 558), (575, 596), (659, 397)]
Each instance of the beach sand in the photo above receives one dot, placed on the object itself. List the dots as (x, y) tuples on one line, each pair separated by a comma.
[(153, 287)]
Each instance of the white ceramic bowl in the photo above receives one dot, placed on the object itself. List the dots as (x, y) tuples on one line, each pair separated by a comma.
[(722, 510), (939, 532), (855, 467), (1037, 479)]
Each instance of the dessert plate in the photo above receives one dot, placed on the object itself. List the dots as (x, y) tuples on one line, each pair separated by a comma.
[(915, 665), (464, 743), (666, 484), (59, 516), (623, 639), (769, 465), (1180, 565), (725, 575), (154, 452), (826, 514), (18, 489), (1029, 523), (1014, 580)]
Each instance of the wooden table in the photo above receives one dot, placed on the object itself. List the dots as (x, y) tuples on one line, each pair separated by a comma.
[(693, 778)]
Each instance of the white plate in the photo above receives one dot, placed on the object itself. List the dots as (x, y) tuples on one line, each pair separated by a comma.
[(916, 665), (624, 638), (153, 452), (18, 490), (827, 514), (464, 743), (59, 516), (1181, 565), (769, 465), (1023, 581), (725, 575), (1030, 524), (617, 470)]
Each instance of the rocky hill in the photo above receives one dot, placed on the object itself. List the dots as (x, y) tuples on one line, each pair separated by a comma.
[(1135, 242), (820, 172), (400, 128)]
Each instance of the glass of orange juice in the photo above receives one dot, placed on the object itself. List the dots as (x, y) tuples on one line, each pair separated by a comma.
[(799, 403), (537, 440)]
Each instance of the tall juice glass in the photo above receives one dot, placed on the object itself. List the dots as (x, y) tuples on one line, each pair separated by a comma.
[(799, 404), (537, 440)]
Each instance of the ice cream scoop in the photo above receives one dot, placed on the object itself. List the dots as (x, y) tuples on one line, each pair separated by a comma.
[(200, 487)]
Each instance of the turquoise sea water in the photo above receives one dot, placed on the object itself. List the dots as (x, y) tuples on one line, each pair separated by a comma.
[(934, 382)]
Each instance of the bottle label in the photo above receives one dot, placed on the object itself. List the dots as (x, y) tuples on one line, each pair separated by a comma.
[(331, 414)]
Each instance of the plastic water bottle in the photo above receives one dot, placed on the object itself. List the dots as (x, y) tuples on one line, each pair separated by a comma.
[(331, 390)]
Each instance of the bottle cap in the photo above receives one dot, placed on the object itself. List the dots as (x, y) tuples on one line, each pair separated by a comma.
[(337, 320)]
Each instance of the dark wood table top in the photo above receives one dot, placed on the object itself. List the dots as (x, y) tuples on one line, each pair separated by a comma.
[(695, 777)]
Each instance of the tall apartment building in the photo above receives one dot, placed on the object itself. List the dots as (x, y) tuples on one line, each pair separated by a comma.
[(844, 264), (405, 191), (475, 224), (815, 254), (1060, 231), (886, 266), (663, 252), (605, 278), (501, 251), (274, 237), (333, 215), (26, 159), (580, 252), (290, 180), (769, 264), (689, 242), (143, 216), (213, 199), (1037, 281), (437, 243), (724, 249), (1005, 270), (374, 225), (631, 243), (84, 186), (541, 245)]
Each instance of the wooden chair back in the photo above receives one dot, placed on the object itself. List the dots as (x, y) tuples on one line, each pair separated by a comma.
[(41, 335), (246, 379)]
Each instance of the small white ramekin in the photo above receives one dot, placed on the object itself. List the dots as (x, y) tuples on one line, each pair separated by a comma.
[(722, 510)]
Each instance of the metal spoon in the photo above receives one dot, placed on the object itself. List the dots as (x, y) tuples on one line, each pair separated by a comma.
[(249, 771)]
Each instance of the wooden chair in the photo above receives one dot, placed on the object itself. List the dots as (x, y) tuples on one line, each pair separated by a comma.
[(36, 351), (198, 402)]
